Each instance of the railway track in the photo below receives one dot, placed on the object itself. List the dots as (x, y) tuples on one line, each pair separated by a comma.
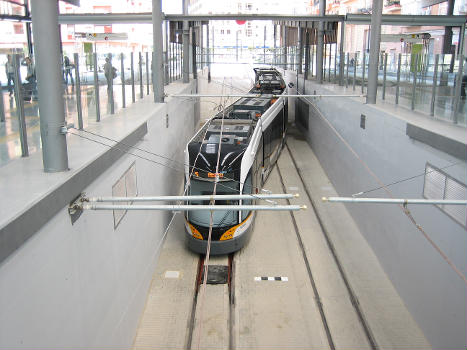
[(218, 299), (220, 275), (351, 294)]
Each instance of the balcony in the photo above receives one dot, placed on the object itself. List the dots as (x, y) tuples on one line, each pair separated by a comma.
[(392, 6)]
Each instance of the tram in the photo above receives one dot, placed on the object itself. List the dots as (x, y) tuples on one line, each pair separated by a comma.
[(245, 140)]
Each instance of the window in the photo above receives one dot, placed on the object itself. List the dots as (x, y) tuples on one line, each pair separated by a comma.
[(247, 189), (18, 28), (439, 185), (220, 218)]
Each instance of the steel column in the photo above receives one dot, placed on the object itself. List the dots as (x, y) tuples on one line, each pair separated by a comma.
[(213, 48), (312, 59), (414, 84), (110, 88), (275, 38), (147, 73), (307, 57), (193, 56), (140, 66), (285, 61), (460, 48), (208, 57), (335, 62), (375, 40), (457, 91), (347, 72), (49, 81), (170, 62), (300, 50), (186, 45), (363, 73), (185, 53), (158, 62), (122, 77), (132, 71), (320, 48), (384, 74), (167, 62), (23, 136), (324, 61), (341, 55), (398, 81), (79, 108), (435, 83), (27, 13), (355, 71), (96, 89)]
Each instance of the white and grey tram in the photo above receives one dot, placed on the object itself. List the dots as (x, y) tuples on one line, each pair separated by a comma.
[(253, 133)]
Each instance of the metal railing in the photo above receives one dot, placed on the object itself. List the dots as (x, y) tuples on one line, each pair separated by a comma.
[(431, 84), (434, 85), (90, 92)]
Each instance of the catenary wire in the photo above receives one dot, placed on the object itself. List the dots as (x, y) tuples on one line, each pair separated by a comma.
[(156, 162), (158, 155)]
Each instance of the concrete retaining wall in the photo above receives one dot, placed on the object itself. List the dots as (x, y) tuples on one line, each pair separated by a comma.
[(432, 291), (84, 285)]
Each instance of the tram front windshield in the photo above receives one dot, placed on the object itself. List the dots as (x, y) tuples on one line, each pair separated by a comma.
[(220, 218)]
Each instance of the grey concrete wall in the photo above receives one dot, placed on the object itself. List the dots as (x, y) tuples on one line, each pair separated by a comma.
[(85, 285), (434, 294)]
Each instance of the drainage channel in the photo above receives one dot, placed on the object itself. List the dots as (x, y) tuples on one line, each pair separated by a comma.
[(218, 276)]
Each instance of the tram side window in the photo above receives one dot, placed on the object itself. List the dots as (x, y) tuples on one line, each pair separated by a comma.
[(267, 145), (247, 189)]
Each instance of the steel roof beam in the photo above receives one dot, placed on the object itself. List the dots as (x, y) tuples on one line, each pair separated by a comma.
[(401, 20), (409, 20), (91, 18)]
